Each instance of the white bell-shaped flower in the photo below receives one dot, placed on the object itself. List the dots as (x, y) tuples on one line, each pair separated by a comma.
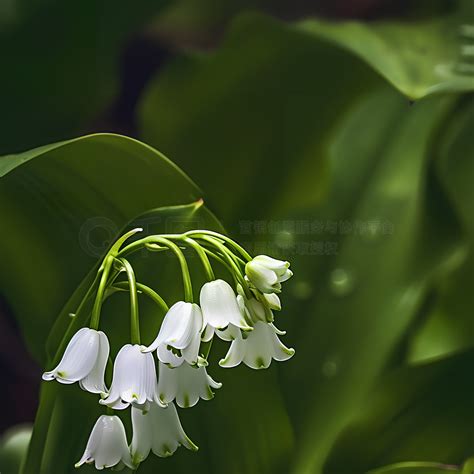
[(185, 384), (134, 379), (219, 306), (258, 349), (83, 361), (181, 330), (267, 273), (107, 445), (159, 431)]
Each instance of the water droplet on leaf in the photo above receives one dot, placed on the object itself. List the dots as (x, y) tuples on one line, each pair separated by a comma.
[(341, 282)]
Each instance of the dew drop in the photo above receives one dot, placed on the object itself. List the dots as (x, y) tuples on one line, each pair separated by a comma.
[(330, 367), (284, 239), (341, 282), (302, 290), (373, 231)]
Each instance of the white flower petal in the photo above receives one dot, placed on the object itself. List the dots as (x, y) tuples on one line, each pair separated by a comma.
[(167, 384), (280, 351), (94, 382), (78, 358), (191, 353), (259, 347), (142, 434), (278, 266), (159, 430), (230, 333), (277, 331), (263, 345), (207, 334), (273, 301), (167, 356), (219, 305), (185, 384), (235, 354), (285, 276)]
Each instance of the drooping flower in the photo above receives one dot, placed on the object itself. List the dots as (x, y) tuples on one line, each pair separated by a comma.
[(83, 361), (219, 306), (258, 349), (107, 444), (181, 330), (185, 384), (134, 379), (267, 273), (159, 431)]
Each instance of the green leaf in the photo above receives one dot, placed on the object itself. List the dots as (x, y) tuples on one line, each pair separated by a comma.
[(419, 58), (420, 412), (449, 328), (416, 468)]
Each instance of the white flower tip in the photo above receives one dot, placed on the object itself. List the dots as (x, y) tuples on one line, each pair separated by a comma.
[(48, 376), (190, 445)]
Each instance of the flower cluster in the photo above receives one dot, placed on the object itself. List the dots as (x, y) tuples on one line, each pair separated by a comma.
[(241, 314)]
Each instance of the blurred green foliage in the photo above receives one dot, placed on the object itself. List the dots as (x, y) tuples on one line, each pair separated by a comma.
[(346, 148)]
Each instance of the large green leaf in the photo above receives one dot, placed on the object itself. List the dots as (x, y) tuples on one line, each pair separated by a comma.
[(416, 413), (300, 144), (418, 57), (449, 328)]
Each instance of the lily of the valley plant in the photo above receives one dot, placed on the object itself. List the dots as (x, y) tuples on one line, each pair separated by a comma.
[(151, 380)]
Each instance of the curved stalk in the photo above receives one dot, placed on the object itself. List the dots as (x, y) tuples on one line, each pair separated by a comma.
[(95, 316), (134, 318), (227, 254), (188, 288), (203, 256), (226, 239), (146, 290)]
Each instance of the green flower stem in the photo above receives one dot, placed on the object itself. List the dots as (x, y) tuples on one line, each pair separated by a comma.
[(206, 346), (203, 256), (188, 288), (146, 290), (95, 317), (140, 244), (226, 239), (227, 254), (134, 318), (115, 249), (222, 261)]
